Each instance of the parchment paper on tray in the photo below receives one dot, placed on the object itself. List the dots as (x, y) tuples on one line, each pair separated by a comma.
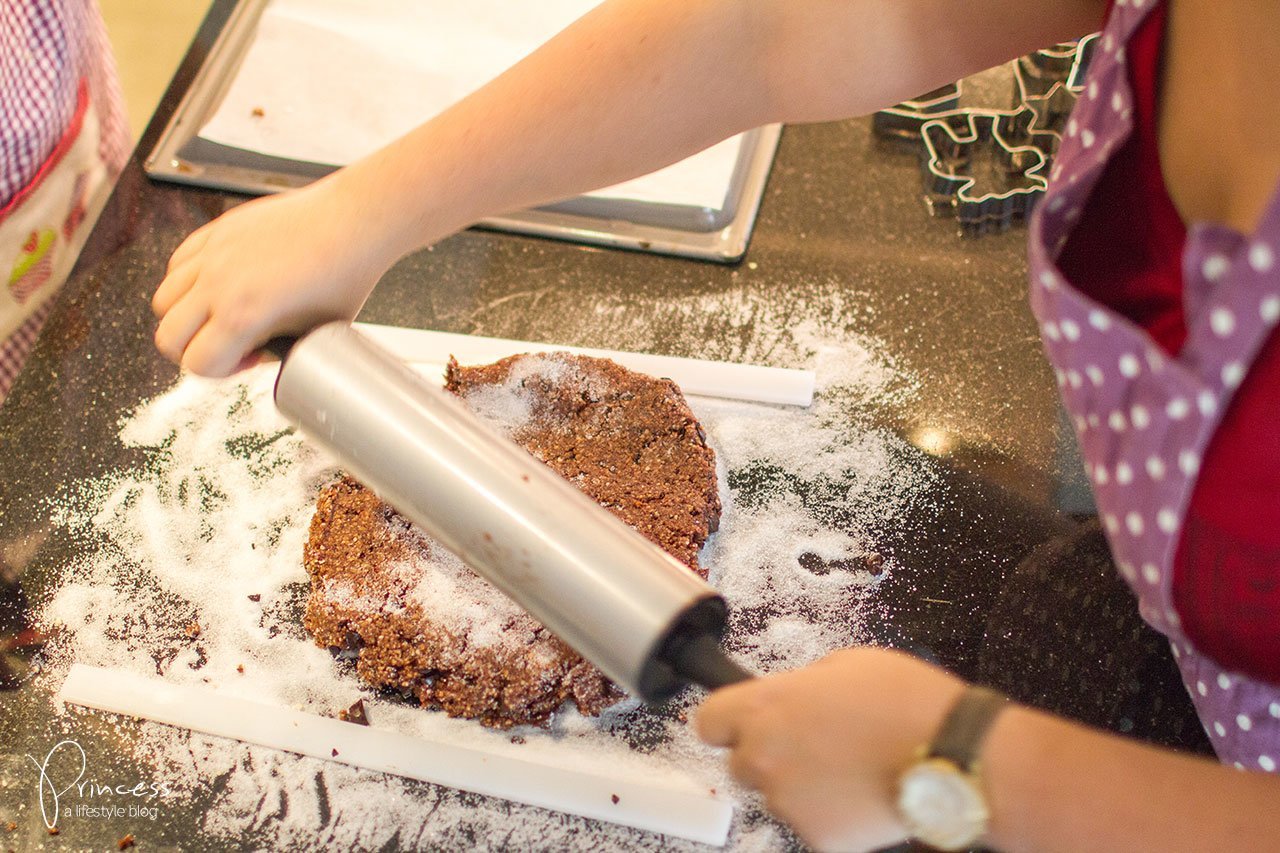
[(328, 81)]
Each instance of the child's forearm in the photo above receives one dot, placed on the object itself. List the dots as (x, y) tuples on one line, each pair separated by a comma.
[(632, 86), (664, 79), (668, 79)]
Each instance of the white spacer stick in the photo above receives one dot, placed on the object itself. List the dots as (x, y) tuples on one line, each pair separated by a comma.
[(684, 809), (749, 382)]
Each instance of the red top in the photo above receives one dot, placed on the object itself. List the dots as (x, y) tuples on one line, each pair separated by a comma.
[(1127, 252)]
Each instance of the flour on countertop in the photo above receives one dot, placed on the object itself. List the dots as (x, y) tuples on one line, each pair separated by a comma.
[(207, 529)]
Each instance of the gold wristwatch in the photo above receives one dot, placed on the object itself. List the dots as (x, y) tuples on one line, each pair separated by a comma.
[(940, 797)]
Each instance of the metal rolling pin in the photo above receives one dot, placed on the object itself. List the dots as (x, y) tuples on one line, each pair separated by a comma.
[(620, 601)]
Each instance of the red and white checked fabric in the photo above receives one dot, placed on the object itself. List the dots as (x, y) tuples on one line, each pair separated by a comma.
[(13, 354), (47, 47)]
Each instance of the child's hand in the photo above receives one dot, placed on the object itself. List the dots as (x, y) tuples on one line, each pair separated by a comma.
[(272, 266), (826, 744)]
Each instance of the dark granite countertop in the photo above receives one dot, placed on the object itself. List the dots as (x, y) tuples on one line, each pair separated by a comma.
[(843, 241)]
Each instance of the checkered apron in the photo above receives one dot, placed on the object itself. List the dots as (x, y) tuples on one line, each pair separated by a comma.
[(63, 140)]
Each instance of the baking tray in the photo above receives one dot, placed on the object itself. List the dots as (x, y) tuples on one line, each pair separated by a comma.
[(716, 234)]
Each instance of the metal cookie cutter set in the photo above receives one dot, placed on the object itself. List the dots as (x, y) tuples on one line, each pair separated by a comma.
[(987, 166)]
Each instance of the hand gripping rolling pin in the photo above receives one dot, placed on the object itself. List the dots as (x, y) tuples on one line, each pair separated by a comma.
[(620, 601)]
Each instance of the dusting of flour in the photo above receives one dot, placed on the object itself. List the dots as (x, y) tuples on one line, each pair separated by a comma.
[(192, 569)]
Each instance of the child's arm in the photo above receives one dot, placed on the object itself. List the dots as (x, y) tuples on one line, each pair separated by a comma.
[(826, 744), (632, 86)]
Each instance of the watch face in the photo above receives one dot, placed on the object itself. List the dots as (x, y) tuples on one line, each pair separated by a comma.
[(942, 805)]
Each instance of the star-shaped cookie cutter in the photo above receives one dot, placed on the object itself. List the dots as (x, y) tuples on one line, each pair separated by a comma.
[(953, 142), (1049, 82)]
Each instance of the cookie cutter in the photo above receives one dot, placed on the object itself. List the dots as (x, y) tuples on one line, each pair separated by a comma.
[(1050, 64), (954, 142), (1085, 49), (1049, 83), (1019, 142), (905, 120), (1036, 73), (1049, 111)]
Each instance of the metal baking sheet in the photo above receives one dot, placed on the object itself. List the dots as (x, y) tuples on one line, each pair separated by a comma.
[(715, 234)]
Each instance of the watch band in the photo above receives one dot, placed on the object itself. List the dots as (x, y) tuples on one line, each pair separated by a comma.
[(959, 738)]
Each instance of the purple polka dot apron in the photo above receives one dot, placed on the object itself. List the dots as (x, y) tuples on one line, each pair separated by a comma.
[(1144, 419)]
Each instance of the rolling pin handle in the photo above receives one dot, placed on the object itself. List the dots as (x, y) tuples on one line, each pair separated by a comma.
[(702, 661), (279, 346)]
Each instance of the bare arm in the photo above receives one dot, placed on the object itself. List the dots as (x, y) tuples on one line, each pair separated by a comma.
[(659, 81), (1059, 786), (826, 744), (632, 86)]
